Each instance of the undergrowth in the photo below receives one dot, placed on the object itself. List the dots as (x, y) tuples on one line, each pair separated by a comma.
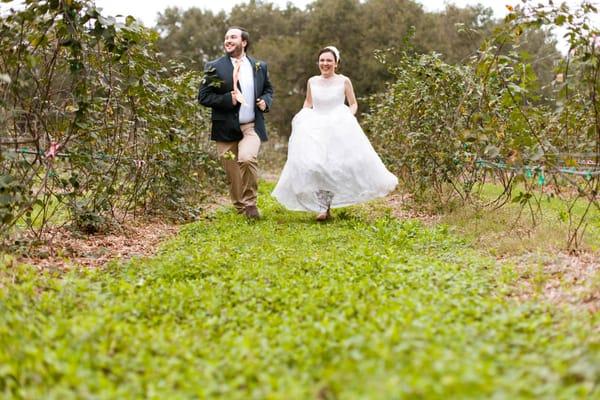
[(365, 306)]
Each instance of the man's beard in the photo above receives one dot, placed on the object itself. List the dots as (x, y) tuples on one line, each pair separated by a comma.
[(237, 50)]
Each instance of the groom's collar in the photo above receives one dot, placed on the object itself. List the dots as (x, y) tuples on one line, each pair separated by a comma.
[(242, 58)]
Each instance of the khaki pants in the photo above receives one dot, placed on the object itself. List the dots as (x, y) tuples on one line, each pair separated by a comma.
[(241, 165)]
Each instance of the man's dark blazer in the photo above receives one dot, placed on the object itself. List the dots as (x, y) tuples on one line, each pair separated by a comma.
[(215, 92)]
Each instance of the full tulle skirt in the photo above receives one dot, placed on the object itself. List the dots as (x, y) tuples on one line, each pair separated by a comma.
[(330, 163)]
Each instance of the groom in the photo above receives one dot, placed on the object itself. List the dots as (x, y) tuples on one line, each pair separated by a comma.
[(237, 89)]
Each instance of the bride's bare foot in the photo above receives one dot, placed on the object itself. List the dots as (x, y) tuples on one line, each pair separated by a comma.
[(323, 216)]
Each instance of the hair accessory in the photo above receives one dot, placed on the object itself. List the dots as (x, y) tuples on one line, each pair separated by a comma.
[(335, 51)]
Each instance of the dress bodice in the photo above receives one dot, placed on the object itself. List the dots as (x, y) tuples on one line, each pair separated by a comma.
[(327, 94)]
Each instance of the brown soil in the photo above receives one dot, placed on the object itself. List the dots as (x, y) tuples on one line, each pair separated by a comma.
[(137, 238), (134, 238), (561, 279)]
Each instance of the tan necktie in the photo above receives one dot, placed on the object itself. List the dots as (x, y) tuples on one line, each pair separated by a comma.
[(236, 77)]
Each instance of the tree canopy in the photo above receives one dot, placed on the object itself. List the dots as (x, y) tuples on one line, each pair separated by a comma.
[(289, 39)]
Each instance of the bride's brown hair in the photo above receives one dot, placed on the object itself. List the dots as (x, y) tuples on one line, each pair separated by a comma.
[(328, 50)]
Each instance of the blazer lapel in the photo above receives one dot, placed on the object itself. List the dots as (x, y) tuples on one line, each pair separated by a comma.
[(254, 74), (227, 69)]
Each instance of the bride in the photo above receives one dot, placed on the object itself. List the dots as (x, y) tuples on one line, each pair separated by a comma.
[(330, 163)]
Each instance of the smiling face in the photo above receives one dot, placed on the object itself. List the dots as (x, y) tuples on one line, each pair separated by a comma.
[(234, 44), (327, 63)]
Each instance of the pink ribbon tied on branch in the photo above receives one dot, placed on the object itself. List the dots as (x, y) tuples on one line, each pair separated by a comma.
[(236, 77), (53, 150)]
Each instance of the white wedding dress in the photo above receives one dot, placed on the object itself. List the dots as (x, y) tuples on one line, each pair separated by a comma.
[(330, 163)]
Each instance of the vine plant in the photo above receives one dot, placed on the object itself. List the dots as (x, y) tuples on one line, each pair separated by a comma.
[(94, 124), (448, 129)]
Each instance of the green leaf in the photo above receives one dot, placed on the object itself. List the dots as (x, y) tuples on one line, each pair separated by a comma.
[(491, 151), (539, 153)]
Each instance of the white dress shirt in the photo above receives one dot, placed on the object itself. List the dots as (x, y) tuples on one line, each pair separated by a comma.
[(246, 80)]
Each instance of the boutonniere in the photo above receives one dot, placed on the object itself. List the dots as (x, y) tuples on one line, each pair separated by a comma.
[(257, 66)]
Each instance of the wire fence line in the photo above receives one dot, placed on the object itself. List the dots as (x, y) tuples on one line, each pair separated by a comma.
[(587, 170)]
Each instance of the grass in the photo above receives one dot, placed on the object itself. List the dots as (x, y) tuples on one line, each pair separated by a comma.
[(510, 231), (362, 307)]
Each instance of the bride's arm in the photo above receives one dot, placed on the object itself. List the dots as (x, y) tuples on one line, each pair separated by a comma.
[(308, 100), (352, 103)]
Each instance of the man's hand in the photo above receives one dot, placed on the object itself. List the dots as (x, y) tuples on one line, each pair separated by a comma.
[(233, 100), (260, 103)]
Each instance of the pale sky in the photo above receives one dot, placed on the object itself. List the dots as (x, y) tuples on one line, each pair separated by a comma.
[(147, 10)]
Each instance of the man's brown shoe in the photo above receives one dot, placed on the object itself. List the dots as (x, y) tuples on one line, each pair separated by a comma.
[(252, 212)]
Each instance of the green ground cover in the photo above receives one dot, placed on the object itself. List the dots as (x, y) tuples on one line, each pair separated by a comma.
[(362, 307)]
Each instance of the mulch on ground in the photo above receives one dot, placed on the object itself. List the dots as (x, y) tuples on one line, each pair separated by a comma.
[(69, 249)]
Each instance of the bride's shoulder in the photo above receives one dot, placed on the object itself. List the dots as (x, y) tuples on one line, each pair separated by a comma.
[(344, 78)]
